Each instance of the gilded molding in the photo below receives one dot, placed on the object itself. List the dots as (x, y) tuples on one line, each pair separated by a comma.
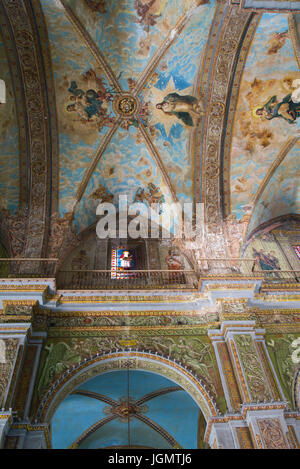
[(239, 371), (232, 388), (31, 65), (244, 438), (237, 28), (268, 372), (14, 377), (242, 416)]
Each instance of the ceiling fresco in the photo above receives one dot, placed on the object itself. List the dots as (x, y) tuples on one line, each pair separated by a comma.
[(133, 81), (113, 176), (267, 117), (156, 405), (9, 142), (281, 193), (151, 51)]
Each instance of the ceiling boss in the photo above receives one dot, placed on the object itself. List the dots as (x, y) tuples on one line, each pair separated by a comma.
[(125, 105)]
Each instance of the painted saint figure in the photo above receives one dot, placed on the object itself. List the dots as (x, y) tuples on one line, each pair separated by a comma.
[(173, 261), (149, 11), (266, 261), (184, 108), (91, 105), (126, 260), (288, 108)]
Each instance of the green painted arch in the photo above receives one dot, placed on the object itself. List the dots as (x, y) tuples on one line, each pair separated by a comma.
[(116, 361)]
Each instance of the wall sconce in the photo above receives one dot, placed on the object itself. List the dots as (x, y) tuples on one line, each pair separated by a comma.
[(2, 92)]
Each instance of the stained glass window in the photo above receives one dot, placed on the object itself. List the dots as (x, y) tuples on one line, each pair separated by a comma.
[(297, 250), (122, 262)]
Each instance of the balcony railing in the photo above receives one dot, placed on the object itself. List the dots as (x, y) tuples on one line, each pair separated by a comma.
[(143, 279), (236, 267), (130, 280)]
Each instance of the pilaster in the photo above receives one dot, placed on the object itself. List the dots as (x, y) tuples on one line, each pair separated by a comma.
[(5, 424)]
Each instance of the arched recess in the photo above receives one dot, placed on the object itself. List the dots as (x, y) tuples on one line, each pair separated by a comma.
[(128, 408), (88, 260), (146, 361)]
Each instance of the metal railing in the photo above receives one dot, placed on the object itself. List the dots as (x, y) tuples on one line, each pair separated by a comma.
[(138, 279), (126, 280), (236, 267)]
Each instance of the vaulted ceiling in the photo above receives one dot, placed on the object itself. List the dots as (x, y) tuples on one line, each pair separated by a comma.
[(125, 409), (106, 72)]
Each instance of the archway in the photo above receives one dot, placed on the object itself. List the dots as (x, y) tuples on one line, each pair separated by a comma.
[(133, 360), (127, 409)]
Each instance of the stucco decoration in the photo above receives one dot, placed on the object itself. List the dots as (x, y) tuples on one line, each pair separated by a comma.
[(272, 434), (8, 353), (121, 360), (255, 378), (60, 356), (284, 351)]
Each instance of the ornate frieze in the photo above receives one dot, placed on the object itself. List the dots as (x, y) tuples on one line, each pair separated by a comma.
[(21, 24), (272, 434)]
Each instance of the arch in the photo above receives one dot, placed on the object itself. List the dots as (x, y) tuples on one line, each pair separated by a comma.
[(296, 389), (113, 361)]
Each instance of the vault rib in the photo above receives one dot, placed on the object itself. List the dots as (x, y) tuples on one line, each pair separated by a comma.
[(153, 63), (159, 392), (95, 395), (160, 430), (92, 47), (157, 158), (91, 430), (98, 155)]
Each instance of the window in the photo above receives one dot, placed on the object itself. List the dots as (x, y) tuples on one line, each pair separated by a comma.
[(123, 261), (297, 251)]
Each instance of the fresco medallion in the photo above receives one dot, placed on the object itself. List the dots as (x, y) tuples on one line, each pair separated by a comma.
[(125, 105)]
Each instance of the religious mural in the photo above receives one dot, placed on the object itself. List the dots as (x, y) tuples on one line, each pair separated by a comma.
[(152, 195), (126, 168), (174, 260), (267, 256), (266, 260), (280, 195), (267, 115), (102, 195), (185, 108), (123, 260), (138, 52), (93, 103)]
